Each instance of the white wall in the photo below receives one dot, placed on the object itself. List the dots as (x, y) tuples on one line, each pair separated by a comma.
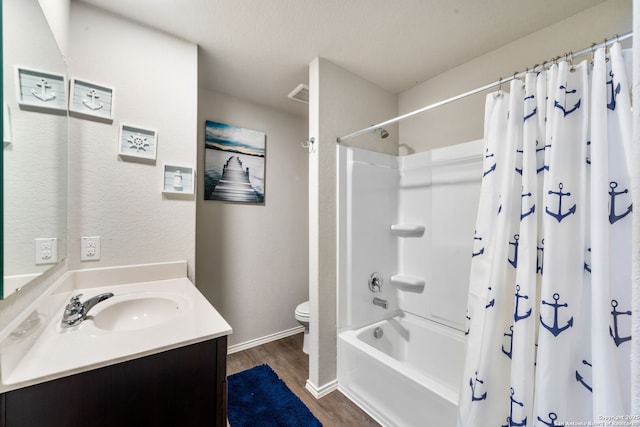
[(154, 77), (252, 259), (57, 13), (463, 120), (339, 101)]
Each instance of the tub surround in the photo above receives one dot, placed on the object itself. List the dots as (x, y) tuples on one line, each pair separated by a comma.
[(418, 212), (34, 349), (401, 344)]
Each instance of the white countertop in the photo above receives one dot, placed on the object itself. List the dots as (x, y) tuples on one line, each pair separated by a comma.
[(58, 352)]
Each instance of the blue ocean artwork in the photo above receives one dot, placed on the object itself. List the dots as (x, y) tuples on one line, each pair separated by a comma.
[(234, 163)]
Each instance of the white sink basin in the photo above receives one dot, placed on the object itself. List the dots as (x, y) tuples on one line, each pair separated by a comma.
[(134, 311)]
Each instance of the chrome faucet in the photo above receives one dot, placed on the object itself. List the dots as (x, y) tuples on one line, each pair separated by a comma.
[(375, 282), (380, 302), (75, 312)]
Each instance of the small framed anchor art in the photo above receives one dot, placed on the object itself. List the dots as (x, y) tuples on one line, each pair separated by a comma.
[(91, 100), (40, 90), (137, 143)]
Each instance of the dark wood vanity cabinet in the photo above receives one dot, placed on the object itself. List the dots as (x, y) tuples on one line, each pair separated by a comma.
[(185, 386)]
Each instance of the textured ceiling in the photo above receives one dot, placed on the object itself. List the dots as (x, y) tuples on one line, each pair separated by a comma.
[(259, 50)]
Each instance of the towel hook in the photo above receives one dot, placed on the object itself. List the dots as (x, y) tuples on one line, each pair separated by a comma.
[(308, 144)]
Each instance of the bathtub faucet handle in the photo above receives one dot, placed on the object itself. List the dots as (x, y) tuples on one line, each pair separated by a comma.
[(375, 283)]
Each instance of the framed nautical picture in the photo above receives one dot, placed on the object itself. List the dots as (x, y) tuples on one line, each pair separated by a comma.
[(136, 142), (234, 163), (41, 90), (178, 179), (91, 100)]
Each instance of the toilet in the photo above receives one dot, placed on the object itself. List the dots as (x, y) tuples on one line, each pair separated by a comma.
[(302, 316)]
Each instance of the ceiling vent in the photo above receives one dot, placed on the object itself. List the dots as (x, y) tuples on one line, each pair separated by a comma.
[(300, 93)]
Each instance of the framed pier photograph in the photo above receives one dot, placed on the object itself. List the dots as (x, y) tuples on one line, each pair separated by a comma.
[(234, 163)]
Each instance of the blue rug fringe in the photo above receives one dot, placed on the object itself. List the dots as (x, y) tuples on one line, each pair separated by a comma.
[(258, 398)]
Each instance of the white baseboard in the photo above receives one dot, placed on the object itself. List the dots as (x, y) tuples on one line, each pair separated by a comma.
[(320, 392), (263, 340)]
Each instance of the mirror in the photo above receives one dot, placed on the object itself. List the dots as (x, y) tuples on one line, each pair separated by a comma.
[(35, 145)]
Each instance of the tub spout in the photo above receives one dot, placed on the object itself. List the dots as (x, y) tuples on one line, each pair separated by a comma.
[(380, 302)]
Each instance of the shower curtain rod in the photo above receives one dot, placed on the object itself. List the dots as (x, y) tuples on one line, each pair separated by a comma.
[(501, 81)]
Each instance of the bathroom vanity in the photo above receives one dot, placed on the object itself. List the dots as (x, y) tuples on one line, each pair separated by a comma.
[(180, 387), (154, 354)]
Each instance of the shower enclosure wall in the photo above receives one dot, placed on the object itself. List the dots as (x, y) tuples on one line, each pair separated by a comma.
[(409, 221)]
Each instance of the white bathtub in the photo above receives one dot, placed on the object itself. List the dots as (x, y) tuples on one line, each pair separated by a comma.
[(408, 377)]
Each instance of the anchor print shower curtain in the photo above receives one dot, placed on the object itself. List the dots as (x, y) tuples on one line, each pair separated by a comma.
[(549, 311)]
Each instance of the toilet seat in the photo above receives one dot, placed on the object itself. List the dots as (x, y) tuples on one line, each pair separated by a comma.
[(302, 311)]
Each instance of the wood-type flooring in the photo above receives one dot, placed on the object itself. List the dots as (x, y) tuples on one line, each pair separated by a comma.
[(286, 358)]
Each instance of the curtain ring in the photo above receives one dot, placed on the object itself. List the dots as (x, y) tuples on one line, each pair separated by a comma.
[(515, 77), (572, 68), (499, 93)]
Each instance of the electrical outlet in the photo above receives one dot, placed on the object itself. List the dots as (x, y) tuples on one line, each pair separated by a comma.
[(46, 250), (90, 248)]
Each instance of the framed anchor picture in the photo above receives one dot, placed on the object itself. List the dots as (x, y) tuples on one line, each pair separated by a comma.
[(234, 163), (41, 90), (91, 100)]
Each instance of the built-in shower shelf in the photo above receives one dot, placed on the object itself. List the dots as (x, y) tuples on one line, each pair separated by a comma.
[(408, 230), (408, 283)]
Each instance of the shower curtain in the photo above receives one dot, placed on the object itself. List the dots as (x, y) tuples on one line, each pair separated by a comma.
[(549, 311)]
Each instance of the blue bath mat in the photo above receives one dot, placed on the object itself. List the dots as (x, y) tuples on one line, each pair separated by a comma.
[(258, 398)]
